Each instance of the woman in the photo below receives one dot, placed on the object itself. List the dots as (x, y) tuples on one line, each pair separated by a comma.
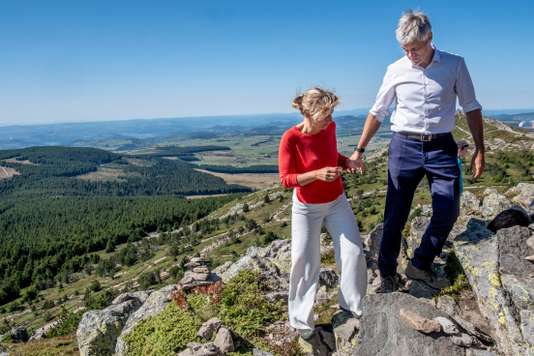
[(310, 163)]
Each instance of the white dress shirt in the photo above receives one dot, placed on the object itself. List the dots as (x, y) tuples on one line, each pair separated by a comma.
[(425, 98)]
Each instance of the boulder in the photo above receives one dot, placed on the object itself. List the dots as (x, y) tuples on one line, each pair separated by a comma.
[(98, 330), (417, 229), (154, 304), (524, 194), (373, 240), (469, 203), (447, 326), (196, 349), (345, 328), (210, 327), (384, 333), (223, 340), (141, 296), (488, 261), (493, 204)]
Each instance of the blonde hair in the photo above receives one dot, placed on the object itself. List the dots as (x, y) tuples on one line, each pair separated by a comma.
[(315, 103), (413, 26)]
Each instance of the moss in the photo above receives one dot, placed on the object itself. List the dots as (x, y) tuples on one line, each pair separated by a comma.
[(456, 276), (164, 334), (244, 308)]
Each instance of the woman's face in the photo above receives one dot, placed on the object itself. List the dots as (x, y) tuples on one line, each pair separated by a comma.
[(323, 122)]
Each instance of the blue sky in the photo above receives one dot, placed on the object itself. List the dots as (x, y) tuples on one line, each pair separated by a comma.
[(105, 60)]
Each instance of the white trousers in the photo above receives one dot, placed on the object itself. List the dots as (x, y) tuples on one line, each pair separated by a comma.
[(306, 222)]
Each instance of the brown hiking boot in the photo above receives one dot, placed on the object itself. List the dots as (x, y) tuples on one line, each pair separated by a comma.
[(427, 277), (388, 284)]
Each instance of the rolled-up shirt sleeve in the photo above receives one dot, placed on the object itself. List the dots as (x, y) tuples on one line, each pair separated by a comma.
[(464, 88), (385, 96), (286, 163)]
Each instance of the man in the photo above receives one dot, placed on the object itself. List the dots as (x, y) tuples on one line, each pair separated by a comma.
[(423, 87)]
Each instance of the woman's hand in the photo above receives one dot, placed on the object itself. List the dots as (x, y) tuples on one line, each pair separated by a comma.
[(328, 174), (355, 165)]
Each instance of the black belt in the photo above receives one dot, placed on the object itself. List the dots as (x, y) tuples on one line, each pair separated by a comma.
[(423, 137)]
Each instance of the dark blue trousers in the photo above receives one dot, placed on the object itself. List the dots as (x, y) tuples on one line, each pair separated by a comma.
[(409, 161)]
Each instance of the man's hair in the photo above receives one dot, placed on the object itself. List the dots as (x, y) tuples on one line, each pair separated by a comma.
[(316, 103), (413, 26)]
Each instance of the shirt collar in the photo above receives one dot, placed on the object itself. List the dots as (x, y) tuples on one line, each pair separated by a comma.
[(435, 58), (437, 55)]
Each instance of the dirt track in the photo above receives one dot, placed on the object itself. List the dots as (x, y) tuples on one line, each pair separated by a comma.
[(6, 172)]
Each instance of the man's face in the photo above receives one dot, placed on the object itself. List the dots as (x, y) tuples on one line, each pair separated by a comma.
[(418, 52)]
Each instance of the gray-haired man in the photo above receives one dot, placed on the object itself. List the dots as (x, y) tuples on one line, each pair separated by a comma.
[(423, 87)]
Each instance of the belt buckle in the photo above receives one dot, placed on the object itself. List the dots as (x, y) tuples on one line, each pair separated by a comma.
[(426, 138)]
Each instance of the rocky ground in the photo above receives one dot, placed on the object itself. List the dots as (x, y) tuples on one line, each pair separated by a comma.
[(491, 313)]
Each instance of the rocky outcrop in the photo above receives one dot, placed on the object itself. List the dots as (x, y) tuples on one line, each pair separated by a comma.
[(99, 329), (153, 305), (502, 281), (383, 332), (42, 331)]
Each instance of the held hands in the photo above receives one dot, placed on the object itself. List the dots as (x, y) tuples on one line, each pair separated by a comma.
[(477, 163), (355, 163)]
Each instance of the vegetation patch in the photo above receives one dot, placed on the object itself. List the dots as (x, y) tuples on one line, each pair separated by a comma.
[(164, 334), (244, 307)]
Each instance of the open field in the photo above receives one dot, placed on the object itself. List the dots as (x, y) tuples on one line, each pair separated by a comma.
[(6, 173), (252, 180), (107, 174)]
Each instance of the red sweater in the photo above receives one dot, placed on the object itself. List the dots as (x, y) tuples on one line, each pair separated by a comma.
[(300, 153)]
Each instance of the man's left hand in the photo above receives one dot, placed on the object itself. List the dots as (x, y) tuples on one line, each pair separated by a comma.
[(478, 163)]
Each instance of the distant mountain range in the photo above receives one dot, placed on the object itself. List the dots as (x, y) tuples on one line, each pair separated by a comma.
[(129, 134)]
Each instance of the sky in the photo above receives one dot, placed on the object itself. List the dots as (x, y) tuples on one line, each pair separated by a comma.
[(72, 61)]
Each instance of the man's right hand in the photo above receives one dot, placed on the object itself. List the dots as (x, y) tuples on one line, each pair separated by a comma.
[(328, 174), (357, 157)]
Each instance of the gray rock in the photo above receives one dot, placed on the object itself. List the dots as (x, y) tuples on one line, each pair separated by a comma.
[(478, 352), (223, 340), (373, 240), (98, 330), (477, 248), (19, 334), (42, 331), (196, 349), (472, 330), (417, 229), (258, 352), (469, 203), (201, 270), (527, 325), (208, 328), (525, 194), (493, 204), (272, 262), (328, 278), (345, 328), (383, 333), (463, 340), (530, 241), (447, 326), (141, 296), (154, 304), (447, 304)]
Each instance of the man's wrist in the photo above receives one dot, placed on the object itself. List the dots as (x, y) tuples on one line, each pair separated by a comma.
[(360, 149)]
